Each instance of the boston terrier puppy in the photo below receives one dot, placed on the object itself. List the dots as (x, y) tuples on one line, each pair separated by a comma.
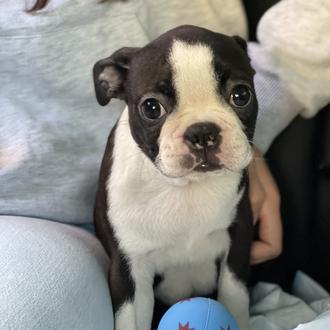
[(172, 201)]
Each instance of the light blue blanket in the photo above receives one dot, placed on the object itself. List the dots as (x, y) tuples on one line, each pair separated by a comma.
[(307, 309)]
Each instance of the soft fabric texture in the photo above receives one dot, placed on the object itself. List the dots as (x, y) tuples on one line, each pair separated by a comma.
[(292, 61), (52, 276), (52, 131), (294, 35), (277, 106), (273, 309), (52, 137)]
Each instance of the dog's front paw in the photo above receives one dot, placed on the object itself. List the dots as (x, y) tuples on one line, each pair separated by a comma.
[(125, 317)]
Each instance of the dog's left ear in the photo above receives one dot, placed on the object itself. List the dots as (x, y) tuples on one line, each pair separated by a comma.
[(110, 75), (242, 43)]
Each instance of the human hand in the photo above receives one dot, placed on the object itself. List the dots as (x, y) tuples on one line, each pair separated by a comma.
[(265, 203)]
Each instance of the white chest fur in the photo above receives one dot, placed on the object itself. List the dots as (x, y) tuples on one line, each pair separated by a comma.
[(171, 220)]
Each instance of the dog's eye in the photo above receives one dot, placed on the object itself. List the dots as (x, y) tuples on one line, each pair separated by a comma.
[(240, 96), (152, 109)]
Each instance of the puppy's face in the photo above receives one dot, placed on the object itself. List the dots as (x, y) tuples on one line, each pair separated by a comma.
[(192, 105)]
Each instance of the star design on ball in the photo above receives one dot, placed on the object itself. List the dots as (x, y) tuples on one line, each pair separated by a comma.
[(222, 328), (186, 327)]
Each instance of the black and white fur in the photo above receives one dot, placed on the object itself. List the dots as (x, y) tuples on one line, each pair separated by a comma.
[(167, 206)]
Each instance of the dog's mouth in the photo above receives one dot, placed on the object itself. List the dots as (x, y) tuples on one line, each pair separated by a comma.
[(200, 165), (206, 160), (207, 166), (197, 162)]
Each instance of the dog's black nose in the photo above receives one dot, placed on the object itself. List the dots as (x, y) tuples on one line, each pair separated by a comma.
[(202, 135)]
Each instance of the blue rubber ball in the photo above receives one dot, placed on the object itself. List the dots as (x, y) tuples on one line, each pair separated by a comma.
[(198, 314)]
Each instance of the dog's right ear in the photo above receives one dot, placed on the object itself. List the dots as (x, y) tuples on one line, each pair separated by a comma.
[(110, 75)]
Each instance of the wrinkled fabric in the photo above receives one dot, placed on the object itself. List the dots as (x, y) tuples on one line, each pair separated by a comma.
[(52, 276), (277, 106), (294, 35), (307, 308)]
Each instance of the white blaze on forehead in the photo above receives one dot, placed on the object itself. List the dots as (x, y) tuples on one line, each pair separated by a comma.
[(199, 100), (193, 73)]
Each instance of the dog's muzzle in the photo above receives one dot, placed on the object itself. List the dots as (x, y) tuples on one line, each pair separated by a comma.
[(203, 140)]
